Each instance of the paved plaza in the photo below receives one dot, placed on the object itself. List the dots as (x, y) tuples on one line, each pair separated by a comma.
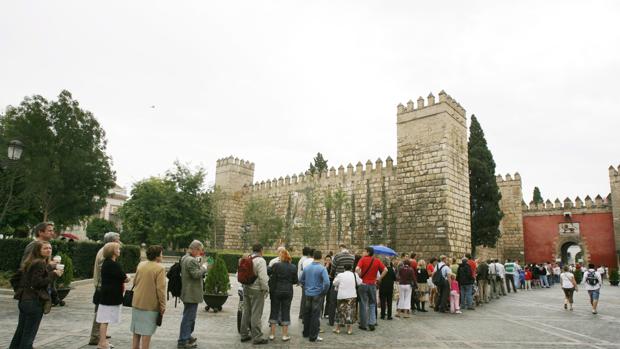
[(533, 319)]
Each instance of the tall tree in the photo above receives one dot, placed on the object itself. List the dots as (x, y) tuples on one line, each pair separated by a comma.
[(170, 211), (484, 192), (265, 225), (97, 227), (537, 197), (318, 166), (64, 171)]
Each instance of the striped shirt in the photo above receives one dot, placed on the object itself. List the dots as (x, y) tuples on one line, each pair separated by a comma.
[(340, 260)]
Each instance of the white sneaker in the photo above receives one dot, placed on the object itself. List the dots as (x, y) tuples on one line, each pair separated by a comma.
[(319, 339)]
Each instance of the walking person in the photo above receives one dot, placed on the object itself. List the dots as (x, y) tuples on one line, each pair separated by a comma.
[(569, 287), (113, 279), (149, 297), (192, 274), (346, 287), (94, 331), (340, 260), (466, 282), (315, 282), (283, 277), (367, 268), (37, 273), (254, 294), (386, 291), (405, 279), (593, 282)]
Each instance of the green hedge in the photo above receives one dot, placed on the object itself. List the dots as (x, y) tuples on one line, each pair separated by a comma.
[(82, 253)]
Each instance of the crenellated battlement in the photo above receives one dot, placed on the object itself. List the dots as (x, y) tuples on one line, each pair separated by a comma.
[(430, 102), (371, 170), (506, 180), (614, 172), (235, 161), (578, 205)]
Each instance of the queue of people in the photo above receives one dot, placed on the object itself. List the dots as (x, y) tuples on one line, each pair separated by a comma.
[(343, 288)]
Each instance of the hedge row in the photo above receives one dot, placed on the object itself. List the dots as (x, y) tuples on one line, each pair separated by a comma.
[(82, 253)]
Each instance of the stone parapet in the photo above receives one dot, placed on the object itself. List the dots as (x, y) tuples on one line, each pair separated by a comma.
[(614, 183), (511, 226)]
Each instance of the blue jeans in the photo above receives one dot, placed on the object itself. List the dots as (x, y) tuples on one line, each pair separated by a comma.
[(187, 322), (312, 316), (30, 315), (467, 293), (368, 305), (281, 308), (543, 281)]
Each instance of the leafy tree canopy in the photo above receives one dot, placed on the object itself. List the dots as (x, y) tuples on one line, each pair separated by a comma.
[(265, 225), (484, 192), (64, 174), (97, 227), (538, 199), (170, 211)]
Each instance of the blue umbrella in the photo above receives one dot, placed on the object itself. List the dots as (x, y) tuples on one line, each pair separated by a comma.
[(384, 250)]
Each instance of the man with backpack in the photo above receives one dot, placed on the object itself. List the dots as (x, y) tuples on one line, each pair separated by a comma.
[(252, 274), (192, 274), (440, 280), (593, 282)]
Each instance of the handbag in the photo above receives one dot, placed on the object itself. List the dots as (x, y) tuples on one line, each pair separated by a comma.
[(97, 296), (160, 318), (128, 297)]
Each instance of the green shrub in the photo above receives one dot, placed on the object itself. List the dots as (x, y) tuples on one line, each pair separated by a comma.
[(613, 275), (67, 277), (130, 257), (83, 255), (217, 281), (12, 251)]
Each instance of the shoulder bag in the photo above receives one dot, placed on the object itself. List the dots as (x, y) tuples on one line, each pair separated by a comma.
[(128, 297)]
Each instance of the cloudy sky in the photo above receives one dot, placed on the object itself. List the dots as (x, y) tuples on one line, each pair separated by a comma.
[(275, 82)]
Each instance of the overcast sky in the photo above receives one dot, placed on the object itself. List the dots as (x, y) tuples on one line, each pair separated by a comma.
[(275, 82)]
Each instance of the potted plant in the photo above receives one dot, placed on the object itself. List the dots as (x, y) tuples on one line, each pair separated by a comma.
[(217, 285), (614, 277), (63, 283)]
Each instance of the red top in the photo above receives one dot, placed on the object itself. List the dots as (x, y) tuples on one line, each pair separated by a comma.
[(473, 266), (370, 276), (430, 268), (414, 264), (528, 275)]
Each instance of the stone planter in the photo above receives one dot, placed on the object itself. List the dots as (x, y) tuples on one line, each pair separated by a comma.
[(215, 301)]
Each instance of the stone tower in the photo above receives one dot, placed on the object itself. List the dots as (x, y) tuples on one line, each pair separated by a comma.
[(511, 225), (231, 175), (433, 177), (614, 182)]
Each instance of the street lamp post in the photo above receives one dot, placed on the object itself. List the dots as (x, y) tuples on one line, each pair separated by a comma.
[(374, 230), (14, 153)]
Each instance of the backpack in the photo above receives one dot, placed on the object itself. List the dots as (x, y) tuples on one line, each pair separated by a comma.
[(464, 274), (175, 282), (245, 270), (438, 278), (591, 279)]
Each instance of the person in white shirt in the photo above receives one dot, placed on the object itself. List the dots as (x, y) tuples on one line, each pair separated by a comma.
[(593, 282), (304, 261), (501, 272), (569, 286), (346, 286)]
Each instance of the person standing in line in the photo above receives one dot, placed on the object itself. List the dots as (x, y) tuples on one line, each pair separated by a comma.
[(454, 266), (455, 293), (443, 289), (593, 281), (430, 269), (422, 279), (113, 279), (542, 274), (466, 282), (367, 268), (405, 281), (94, 331), (192, 274), (283, 277), (340, 260), (327, 262), (483, 281), (569, 287), (386, 291), (528, 278), (149, 297), (254, 296), (315, 282), (510, 275), (556, 272), (346, 286), (304, 261), (501, 272), (37, 274), (494, 294)]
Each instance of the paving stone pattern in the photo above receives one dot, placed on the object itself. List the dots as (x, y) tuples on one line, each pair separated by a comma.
[(523, 320)]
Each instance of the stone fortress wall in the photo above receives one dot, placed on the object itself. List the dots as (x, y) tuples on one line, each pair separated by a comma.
[(422, 205)]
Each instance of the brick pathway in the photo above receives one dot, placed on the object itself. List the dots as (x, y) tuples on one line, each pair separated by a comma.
[(525, 320)]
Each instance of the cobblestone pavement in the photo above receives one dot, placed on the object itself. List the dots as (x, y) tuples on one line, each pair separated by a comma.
[(523, 320)]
